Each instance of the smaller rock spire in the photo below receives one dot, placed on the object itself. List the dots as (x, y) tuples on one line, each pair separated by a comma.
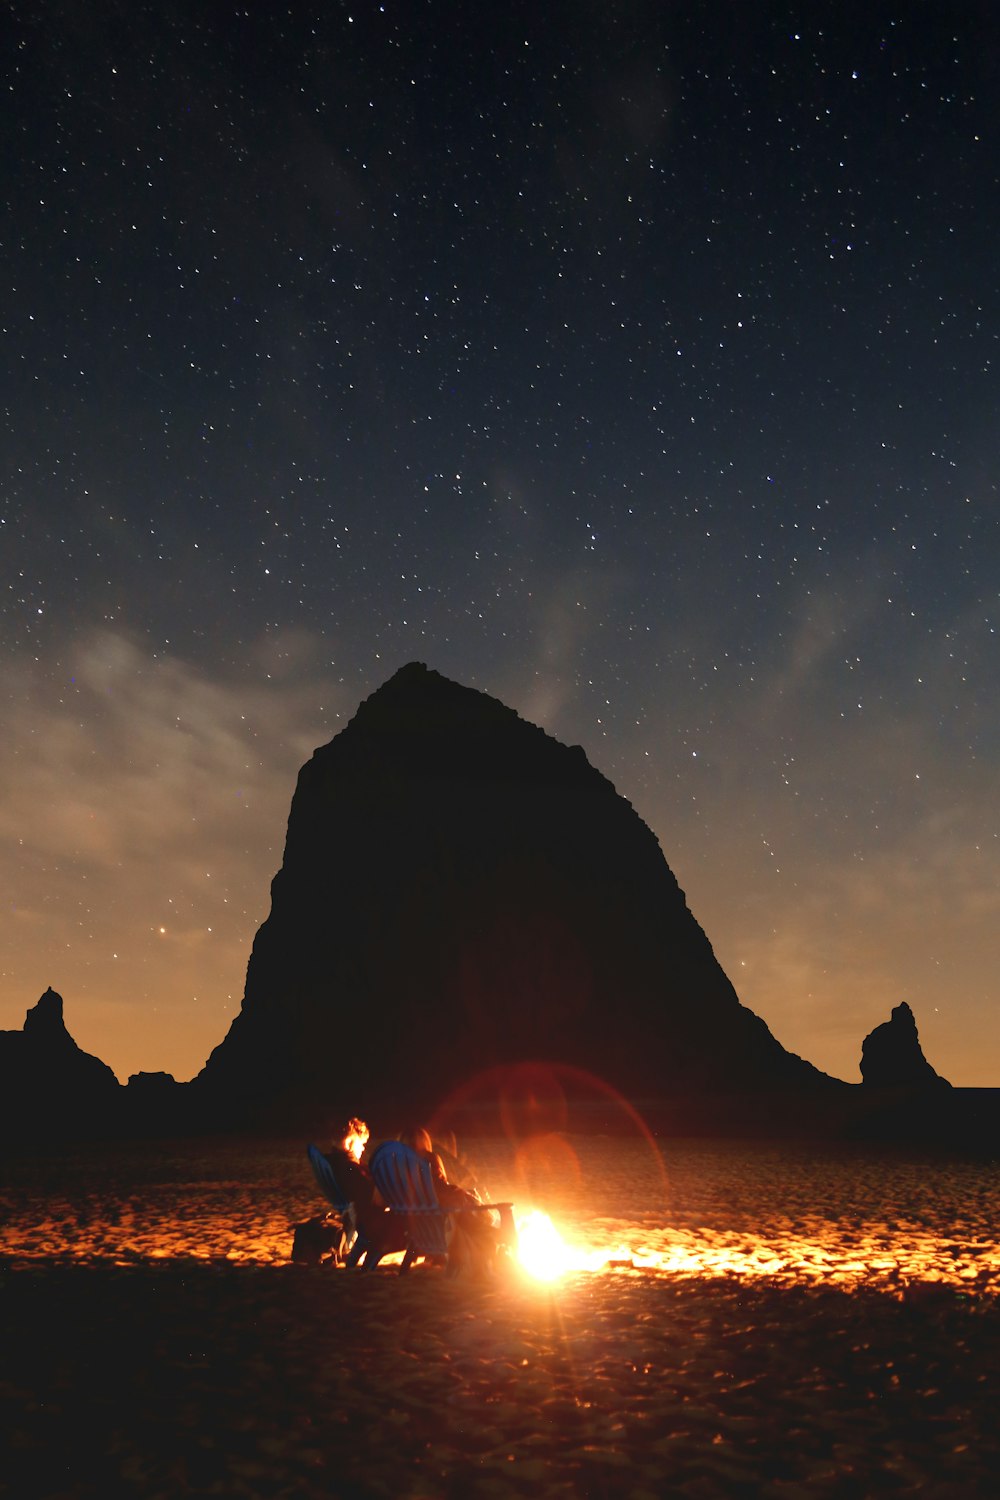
[(891, 1055)]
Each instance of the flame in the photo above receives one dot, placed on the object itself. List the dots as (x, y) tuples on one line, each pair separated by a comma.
[(355, 1144), (544, 1254), (540, 1247)]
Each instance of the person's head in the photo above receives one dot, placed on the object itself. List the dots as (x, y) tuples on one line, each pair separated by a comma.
[(354, 1137), (418, 1138)]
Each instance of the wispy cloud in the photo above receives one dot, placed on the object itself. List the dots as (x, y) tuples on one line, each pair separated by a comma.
[(837, 830), (144, 807)]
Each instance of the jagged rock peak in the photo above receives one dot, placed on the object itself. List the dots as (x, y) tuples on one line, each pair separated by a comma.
[(460, 888), (48, 1084), (44, 1020), (891, 1055), (448, 729)]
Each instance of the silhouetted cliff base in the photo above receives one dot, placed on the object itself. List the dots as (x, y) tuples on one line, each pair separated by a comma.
[(55, 1091), (966, 1125)]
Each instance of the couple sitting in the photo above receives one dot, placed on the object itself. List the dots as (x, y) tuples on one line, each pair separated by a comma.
[(474, 1239)]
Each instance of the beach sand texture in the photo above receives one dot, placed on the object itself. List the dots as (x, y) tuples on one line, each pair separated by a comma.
[(798, 1323)]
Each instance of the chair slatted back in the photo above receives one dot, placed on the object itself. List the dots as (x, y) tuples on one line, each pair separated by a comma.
[(325, 1177), (404, 1179)]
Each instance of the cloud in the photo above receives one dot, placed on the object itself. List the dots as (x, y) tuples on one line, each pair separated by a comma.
[(570, 612), (144, 803), (836, 833)]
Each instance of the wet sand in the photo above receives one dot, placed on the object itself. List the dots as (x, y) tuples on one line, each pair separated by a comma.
[(172, 1370)]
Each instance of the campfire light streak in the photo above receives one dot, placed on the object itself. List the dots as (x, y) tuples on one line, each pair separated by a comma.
[(545, 1255), (927, 1224), (872, 1255), (906, 1261)]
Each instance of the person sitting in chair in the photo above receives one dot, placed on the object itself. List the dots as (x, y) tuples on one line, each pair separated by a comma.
[(449, 1194), (371, 1217), (345, 1156), (473, 1223)]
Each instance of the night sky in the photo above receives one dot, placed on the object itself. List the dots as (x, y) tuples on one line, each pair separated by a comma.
[(635, 363)]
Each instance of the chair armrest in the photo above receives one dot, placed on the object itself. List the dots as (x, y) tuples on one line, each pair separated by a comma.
[(508, 1229)]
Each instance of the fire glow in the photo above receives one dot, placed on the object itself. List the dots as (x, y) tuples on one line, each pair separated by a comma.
[(541, 1249), (544, 1254)]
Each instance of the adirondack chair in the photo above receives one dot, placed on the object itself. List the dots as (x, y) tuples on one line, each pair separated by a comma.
[(357, 1242), (406, 1183)]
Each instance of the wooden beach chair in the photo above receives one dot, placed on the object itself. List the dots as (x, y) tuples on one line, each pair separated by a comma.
[(356, 1243), (406, 1183)]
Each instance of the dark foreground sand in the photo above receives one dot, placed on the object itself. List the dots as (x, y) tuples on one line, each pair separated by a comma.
[(186, 1378), (803, 1324)]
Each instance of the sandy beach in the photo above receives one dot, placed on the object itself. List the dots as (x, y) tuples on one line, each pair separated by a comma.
[(201, 1366)]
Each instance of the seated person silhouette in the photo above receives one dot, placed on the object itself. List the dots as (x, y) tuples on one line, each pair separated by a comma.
[(475, 1240), (371, 1217)]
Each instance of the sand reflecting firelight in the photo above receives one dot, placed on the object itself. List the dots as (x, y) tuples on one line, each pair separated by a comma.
[(684, 1209), (873, 1254)]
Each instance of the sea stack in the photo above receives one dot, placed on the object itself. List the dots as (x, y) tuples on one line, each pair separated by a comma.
[(892, 1057), (50, 1086), (461, 892)]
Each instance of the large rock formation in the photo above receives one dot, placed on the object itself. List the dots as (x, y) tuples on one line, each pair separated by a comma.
[(49, 1084), (892, 1057), (461, 892)]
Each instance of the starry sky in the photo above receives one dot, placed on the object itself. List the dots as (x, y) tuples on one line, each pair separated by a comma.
[(635, 363)]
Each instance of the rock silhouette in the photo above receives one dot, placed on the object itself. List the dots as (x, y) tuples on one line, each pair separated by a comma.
[(891, 1055), (461, 892), (464, 902), (48, 1082)]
